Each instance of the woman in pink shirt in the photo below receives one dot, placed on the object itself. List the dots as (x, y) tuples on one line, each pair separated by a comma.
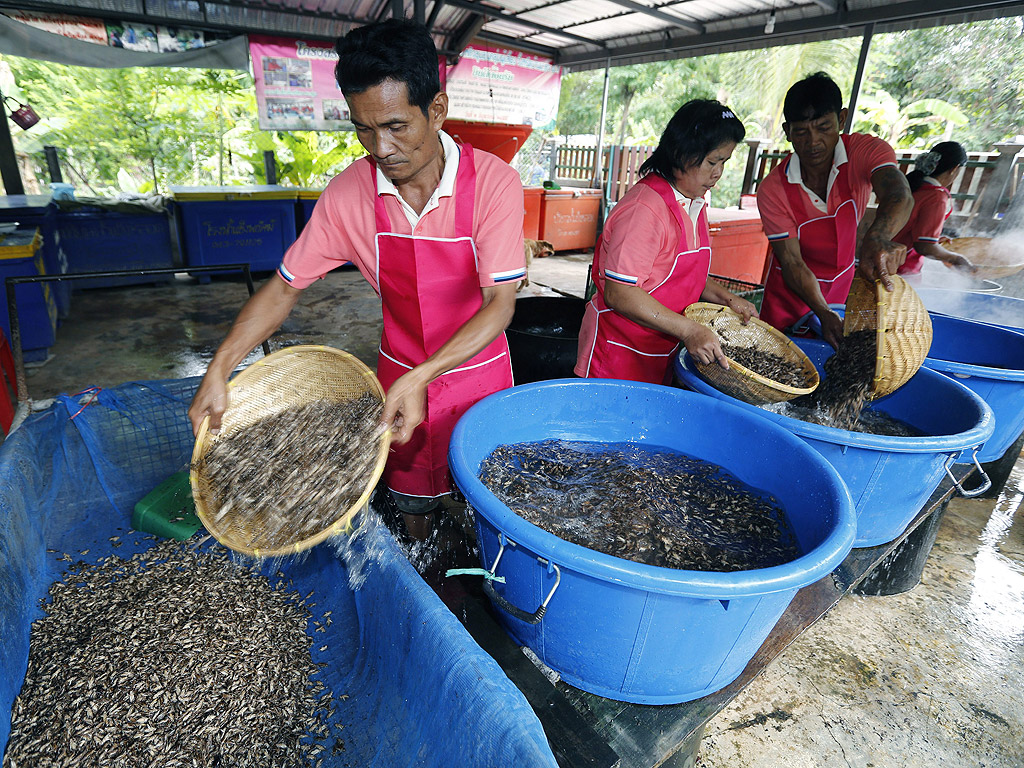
[(652, 259), (933, 174)]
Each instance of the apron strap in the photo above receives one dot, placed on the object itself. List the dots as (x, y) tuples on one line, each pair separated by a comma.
[(465, 192), (666, 191)]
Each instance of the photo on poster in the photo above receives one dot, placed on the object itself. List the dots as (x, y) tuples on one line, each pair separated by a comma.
[(275, 72), (174, 39), (133, 37), (300, 75), (290, 110), (335, 109)]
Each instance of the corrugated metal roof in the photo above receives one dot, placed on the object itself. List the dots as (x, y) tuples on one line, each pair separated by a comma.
[(579, 34)]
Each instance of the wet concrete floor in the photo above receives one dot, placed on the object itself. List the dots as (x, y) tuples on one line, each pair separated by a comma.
[(930, 677)]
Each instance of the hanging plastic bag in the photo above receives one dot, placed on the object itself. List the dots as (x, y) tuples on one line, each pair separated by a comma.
[(24, 116)]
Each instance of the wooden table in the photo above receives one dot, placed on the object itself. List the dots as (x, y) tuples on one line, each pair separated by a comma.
[(588, 730)]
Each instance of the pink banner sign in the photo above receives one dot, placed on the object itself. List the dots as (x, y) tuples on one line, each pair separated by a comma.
[(295, 85), (501, 85)]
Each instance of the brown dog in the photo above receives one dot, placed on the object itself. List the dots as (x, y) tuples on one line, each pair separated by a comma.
[(535, 249)]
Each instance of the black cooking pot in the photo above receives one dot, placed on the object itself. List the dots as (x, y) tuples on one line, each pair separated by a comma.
[(543, 336)]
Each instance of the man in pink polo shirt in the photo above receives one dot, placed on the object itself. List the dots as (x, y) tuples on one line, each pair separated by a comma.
[(812, 202), (437, 230)]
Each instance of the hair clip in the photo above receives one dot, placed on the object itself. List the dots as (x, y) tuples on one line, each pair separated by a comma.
[(726, 114)]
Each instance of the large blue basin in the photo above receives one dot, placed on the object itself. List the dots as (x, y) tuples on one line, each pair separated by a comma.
[(990, 361), (1004, 311), (625, 630), (890, 478)]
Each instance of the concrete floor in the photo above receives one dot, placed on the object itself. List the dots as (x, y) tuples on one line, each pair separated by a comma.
[(930, 677)]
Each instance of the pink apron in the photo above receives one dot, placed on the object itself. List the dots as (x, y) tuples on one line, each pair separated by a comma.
[(828, 246), (623, 349), (430, 287)]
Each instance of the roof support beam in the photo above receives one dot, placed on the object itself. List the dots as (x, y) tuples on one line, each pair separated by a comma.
[(844, 23), (512, 42), (829, 6), (689, 26), (434, 11), (494, 13)]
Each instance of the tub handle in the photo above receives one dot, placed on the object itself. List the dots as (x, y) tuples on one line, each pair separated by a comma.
[(505, 605), (986, 481)]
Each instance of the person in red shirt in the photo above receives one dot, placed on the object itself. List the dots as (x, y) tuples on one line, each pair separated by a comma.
[(933, 174), (812, 202), (437, 230), (653, 256)]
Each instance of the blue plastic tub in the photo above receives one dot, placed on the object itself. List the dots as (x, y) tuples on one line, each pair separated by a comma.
[(1004, 311), (37, 212), (990, 362), (20, 256), (890, 478), (96, 239), (625, 630), (232, 225)]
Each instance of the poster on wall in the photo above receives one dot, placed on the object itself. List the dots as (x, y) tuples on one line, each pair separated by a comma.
[(133, 37), (175, 39), (75, 27), (295, 85), (500, 85)]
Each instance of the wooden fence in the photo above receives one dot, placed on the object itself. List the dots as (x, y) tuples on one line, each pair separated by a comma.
[(982, 191)]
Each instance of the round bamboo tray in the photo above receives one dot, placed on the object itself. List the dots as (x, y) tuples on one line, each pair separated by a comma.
[(991, 258), (740, 382), (286, 379), (902, 326)]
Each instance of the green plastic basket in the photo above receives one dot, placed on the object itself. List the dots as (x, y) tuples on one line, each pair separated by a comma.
[(168, 510)]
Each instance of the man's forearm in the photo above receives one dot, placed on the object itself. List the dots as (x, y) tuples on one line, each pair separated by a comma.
[(895, 203)]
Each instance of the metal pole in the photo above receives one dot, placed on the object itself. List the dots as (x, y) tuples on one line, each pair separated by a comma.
[(20, 382), (865, 46), (9, 170), (270, 166), (419, 11), (53, 164), (600, 127)]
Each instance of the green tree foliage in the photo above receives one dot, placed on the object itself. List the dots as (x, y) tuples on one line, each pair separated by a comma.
[(146, 129), (977, 67)]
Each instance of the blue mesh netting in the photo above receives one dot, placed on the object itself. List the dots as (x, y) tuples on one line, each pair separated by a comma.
[(420, 691)]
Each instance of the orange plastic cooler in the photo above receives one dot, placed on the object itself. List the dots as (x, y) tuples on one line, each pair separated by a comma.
[(739, 247), (532, 197), (569, 218)]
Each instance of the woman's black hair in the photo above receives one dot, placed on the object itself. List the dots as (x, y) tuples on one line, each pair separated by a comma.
[(695, 130), (936, 161), (815, 96), (396, 49)]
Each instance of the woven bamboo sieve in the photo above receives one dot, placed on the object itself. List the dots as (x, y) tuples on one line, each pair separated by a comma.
[(741, 382), (286, 379), (990, 260), (902, 326)]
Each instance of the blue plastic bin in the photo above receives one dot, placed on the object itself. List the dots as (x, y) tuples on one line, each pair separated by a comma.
[(37, 311), (307, 199), (989, 361), (95, 239), (231, 225), (625, 630), (890, 478), (37, 212)]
